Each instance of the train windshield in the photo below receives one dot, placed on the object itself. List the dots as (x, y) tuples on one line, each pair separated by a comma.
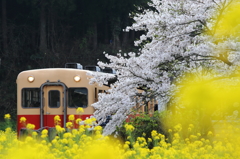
[(77, 97), (31, 97)]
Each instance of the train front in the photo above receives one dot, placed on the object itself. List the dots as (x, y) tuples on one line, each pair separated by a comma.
[(43, 94)]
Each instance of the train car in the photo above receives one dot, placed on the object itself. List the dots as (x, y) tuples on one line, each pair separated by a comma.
[(44, 93)]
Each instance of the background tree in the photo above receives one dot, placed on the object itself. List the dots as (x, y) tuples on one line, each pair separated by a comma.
[(4, 27), (42, 34)]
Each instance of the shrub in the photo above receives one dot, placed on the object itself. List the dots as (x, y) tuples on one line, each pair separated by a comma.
[(143, 124)]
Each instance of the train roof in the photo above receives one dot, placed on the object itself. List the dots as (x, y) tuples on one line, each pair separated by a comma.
[(61, 73)]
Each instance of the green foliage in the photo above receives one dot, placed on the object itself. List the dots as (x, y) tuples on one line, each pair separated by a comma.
[(143, 124), (2, 125), (8, 123)]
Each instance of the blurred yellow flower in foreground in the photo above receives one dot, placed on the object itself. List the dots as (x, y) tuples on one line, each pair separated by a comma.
[(199, 102), (228, 22), (106, 149)]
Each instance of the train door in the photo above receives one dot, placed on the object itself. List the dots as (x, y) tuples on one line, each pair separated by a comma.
[(53, 103)]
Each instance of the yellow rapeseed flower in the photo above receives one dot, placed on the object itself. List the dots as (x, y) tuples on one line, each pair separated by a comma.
[(67, 135), (154, 133), (178, 128), (129, 128), (193, 137), (71, 117), (141, 139), (30, 126), (191, 126), (8, 130), (98, 128), (69, 125), (23, 120), (45, 132), (43, 136), (126, 146), (59, 129), (78, 120), (156, 137), (7, 116), (34, 133), (80, 110), (87, 126), (28, 139), (75, 132), (93, 119), (57, 119), (210, 134), (44, 142), (149, 140), (3, 138), (88, 121), (81, 129)]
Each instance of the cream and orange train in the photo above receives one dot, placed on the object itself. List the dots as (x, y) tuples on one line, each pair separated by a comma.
[(45, 93)]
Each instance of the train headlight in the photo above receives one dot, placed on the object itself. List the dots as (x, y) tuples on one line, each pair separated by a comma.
[(31, 78), (77, 78)]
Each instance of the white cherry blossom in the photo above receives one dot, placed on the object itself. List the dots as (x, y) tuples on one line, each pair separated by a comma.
[(179, 37)]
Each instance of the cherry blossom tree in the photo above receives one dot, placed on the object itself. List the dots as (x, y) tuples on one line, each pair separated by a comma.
[(180, 36)]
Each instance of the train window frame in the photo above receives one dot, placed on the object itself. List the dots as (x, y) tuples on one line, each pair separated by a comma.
[(49, 97), (70, 101), (24, 100)]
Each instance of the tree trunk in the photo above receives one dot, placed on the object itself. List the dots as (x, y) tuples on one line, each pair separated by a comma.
[(106, 31), (116, 42), (125, 35), (132, 35), (4, 28), (43, 40), (125, 41), (51, 29), (95, 36)]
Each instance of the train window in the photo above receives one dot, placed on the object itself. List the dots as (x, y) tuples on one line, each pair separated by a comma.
[(77, 97), (54, 98), (31, 97)]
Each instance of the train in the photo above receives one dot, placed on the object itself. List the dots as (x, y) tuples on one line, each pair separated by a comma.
[(44, 93)]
